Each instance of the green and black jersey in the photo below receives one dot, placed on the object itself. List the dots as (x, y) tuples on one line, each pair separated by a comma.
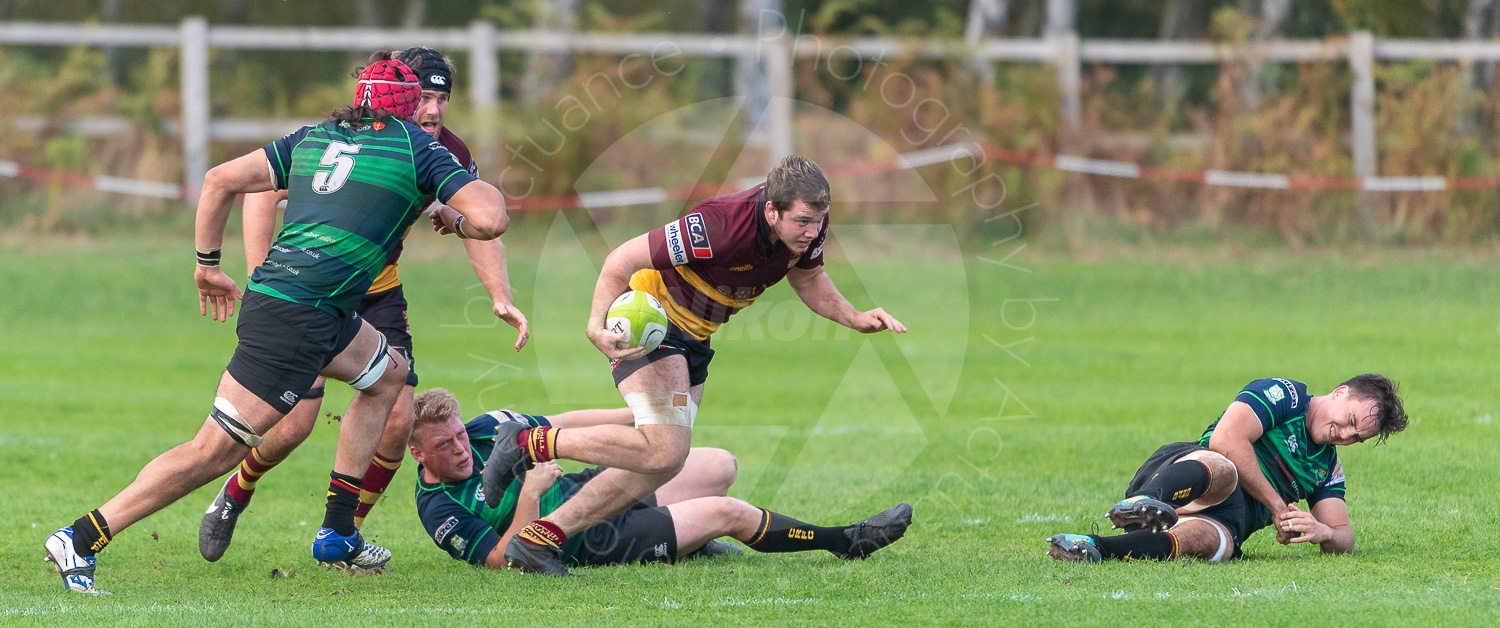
[(455, 514), (1297, 468), (352, 192)]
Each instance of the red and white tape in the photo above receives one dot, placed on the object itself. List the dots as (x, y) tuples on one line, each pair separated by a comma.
[(905, 161)]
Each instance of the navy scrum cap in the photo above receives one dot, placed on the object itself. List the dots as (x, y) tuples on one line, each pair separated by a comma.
[(431, 69)]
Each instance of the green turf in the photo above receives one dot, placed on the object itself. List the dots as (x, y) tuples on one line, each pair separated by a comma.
[(104, 364)]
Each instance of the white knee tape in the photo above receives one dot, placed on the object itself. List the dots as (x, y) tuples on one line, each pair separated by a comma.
[(1226, 545), (374, 368), (662, 407), (234, 423)]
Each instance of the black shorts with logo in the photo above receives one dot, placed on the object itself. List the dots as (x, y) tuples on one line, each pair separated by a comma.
[(645, 533), (677, 342), (284, 345), (386, 312), (1233, 512)]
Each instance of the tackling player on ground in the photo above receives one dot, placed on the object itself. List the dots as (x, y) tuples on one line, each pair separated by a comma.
[(1273, 447), (356, 183), (383, 306), (680, 520), (703, 267)]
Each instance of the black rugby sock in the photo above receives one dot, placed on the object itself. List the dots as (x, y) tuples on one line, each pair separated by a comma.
[(90, 533), (780, 533), (1136, 546), (1178, 483), (343, 498)]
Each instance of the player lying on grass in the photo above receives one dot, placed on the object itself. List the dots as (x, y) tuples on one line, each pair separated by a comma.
[(1273, 447), (356, 182), (383, 306), (681, 519), (702, 268)]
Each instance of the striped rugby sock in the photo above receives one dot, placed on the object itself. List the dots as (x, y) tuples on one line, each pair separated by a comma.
[(377, 478)]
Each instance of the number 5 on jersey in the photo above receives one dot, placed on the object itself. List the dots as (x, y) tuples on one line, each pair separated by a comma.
[(338, 156)]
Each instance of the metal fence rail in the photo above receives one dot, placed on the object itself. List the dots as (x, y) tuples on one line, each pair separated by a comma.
[(1061, 49)]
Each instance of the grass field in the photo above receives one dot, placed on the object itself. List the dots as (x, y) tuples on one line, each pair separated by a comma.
[(1001, 423)]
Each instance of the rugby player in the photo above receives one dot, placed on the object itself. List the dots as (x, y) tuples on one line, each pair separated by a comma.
[(356, 183), (1273, 446), (680, 520), (383, 306), (703, 268)]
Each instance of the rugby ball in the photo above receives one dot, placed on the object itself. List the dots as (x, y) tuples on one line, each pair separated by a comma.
[(640, 317)]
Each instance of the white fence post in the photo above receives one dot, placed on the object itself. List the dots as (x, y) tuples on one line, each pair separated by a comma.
[(193, 57), (484, 91), (1065, 57), (779, 74), (1362, 116)]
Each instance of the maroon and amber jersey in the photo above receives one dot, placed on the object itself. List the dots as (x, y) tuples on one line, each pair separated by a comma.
[(388, 277), (718, 260)]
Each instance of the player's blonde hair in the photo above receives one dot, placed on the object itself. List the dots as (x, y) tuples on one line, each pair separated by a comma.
[(434, 405)]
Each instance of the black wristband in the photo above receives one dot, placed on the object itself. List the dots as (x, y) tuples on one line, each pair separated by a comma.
[(209, 258), (458, 227)]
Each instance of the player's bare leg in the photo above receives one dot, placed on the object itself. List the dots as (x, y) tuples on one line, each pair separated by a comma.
[(164, 480), (709, 473), (338, 541), (699, 521), (216, 531), (1194, 536), (388, 454), (644, 459), (1196, 481), (190, 465)]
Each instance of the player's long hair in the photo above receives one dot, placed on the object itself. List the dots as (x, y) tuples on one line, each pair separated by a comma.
[(358, 114)]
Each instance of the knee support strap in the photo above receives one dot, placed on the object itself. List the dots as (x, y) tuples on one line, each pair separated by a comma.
[(1226, 544), (662, 407), (374, 368), (230, 419)]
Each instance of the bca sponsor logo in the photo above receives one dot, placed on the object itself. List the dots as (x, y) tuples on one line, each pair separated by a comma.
[(443, 530), (1338, 473), (817, 252), (698, 236), (675, 248)]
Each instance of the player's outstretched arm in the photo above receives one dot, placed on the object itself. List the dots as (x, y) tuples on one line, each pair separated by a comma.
[(1235, 437), (250, 173), (482, 209), (614, 280), (537, 481), (816, 289), (488, 259), (1327, 525), (259, 222)]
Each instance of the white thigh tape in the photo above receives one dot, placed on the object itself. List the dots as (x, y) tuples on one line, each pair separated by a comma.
[(374, 368), (662, 407), (230, 419), (1226, 545)]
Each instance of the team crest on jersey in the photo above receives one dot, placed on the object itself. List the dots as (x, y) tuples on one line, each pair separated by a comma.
[(458, 543), (1274, 394), (698, 236)]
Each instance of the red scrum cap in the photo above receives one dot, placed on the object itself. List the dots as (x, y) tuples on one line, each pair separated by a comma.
[(389, 85)]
